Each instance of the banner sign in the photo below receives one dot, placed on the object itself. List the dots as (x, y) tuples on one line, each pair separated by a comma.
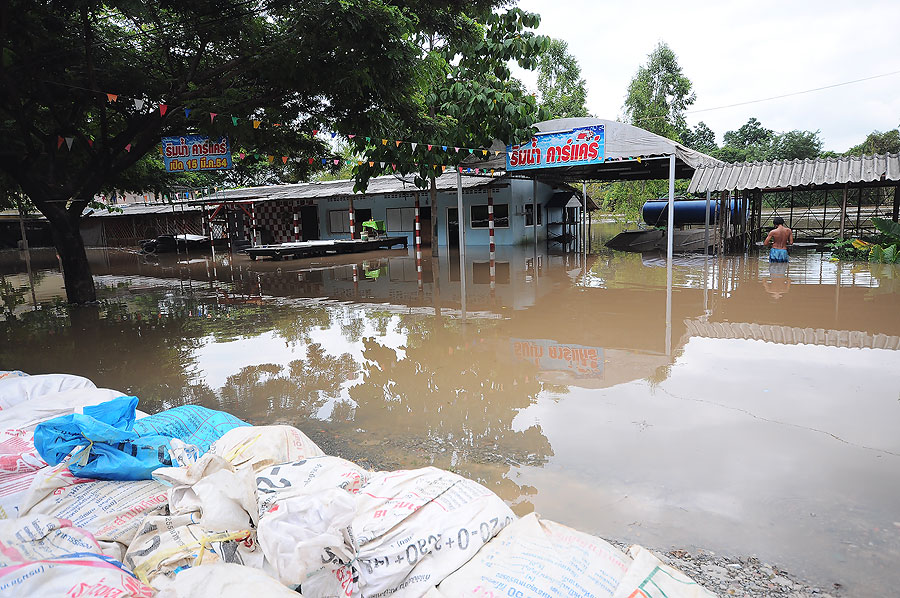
[(567, 148), (547, 355), (195, 152)]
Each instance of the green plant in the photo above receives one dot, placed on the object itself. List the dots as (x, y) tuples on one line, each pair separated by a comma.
[(888, 228), (882, 255), (850, 250)]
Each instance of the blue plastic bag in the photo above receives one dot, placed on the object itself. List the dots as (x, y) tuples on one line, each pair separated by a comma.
[(116, 447)]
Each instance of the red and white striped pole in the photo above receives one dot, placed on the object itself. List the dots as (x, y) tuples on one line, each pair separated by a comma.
[(296, 226), (352, 223), (253, 231), (418, 246), (491, 233)]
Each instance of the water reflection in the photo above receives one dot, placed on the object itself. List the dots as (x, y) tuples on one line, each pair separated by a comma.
[(766, 395)]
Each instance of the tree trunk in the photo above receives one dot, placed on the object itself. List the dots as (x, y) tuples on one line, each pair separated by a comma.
[(76, 270)]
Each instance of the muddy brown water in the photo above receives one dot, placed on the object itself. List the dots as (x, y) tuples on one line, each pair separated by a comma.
[(763, 419)]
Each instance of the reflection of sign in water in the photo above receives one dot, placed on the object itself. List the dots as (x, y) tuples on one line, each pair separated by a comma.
[(567, 148), (582, 362), (195, 152)]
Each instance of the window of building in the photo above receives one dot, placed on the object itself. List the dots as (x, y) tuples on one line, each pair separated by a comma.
[(339, 221), (529, 215), (480, 216), (400, 219)]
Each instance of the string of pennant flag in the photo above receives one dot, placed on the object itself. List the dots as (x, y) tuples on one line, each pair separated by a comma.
[(140, 104)]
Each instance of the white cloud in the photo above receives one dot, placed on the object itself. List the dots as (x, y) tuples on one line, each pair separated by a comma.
[(739, 51)]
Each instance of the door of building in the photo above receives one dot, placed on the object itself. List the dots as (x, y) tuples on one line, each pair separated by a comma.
[(452, 227), (309, 223)]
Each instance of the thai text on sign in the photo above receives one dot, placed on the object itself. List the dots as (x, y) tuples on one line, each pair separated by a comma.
[(547, 355), (195, 152), (564, 148)]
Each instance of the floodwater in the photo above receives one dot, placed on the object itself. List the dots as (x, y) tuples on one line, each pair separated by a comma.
[(763, 418)]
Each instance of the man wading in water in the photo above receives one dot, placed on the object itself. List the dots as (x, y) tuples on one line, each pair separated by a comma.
[(781, 236)]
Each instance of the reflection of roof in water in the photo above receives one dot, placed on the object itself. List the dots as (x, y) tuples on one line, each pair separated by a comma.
[(787, 335)]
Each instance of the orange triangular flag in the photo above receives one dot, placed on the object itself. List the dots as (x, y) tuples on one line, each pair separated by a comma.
[(256, 124), (443, 168), (371, 163), (284, 159), (398, 143), (111, 97), (384, 142), (271, 159)]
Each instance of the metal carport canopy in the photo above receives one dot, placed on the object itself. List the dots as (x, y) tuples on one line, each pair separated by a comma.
[(630, 153)]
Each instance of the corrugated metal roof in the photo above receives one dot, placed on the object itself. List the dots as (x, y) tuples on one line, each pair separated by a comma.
[(781, 174), (377, 186), (145, 209), (788, 335)]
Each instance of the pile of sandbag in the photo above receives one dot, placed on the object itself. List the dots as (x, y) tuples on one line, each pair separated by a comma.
[(99, 499)]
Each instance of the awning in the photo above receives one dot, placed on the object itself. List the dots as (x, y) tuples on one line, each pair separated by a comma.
[(630, 153)]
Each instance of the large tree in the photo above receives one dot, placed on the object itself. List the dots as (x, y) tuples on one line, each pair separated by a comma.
[(659, 94), (877, 142), (465, 97), (754, 142), (169, 65), (563, 92)]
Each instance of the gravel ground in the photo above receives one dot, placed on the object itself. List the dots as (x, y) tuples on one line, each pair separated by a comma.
[(725, 575)]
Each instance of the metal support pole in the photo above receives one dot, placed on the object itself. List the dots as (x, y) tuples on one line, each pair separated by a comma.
[(491, 233), (670, 233), (534, 209), (461, 220), (296, 226), (843, 211), (896, 211), (418, 240), (434, 223), (584, 219), (706, 225), (352, 214)]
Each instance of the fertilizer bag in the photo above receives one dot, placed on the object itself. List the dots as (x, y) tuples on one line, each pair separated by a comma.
[(534, 558), (113, 446)]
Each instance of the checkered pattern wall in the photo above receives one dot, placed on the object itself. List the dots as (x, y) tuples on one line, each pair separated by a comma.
[(275, 220)]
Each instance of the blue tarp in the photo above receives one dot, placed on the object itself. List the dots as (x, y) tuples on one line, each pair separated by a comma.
[(116, 447)]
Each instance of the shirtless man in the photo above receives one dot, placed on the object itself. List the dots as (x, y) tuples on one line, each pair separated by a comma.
[(780, 237)]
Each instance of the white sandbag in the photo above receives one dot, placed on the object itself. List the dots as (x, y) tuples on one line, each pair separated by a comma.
[(306, 509), (224, 580), (259, 447), (535, 558), (19, 464), (30, 413), (649, 577), (110, 510), (19, 459), (18, 389), (166, 544), (72, 576), (40, 537), (222, 498), (308, 476), (413, 529)]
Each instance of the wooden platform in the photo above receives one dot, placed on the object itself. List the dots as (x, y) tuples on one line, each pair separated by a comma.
[(313, 248)]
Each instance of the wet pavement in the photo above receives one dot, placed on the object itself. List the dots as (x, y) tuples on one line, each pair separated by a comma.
[(759, 419)]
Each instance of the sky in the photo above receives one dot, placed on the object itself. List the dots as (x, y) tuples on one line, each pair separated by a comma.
[(738, 51)]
